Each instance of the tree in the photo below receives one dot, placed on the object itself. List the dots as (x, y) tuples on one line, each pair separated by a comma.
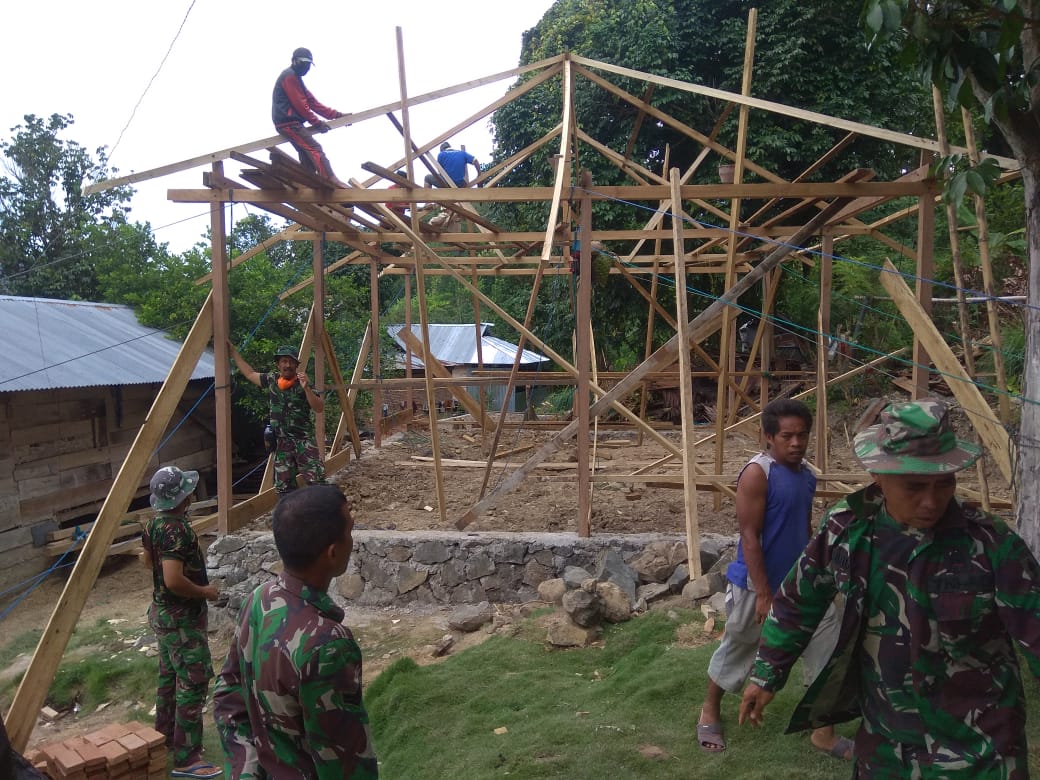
[(51, 234), (987, 53)]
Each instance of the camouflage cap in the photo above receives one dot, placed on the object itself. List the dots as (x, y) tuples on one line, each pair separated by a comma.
[(170, 486), (287, 350), (914, 438)]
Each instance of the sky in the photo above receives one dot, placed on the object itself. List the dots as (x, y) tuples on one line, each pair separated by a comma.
[(95, 61)]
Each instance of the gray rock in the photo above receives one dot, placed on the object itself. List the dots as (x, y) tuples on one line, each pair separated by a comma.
[(563, 633), (227, 544), (657, 562), (679, 578), (452, 573), (399, 553), (718, 602), (584, 608), (410, 579), (699, 588), (471, 617), (478, 566), (468, 593), (652, 592), (617, 608), (552, 590), (350, 586), (535, 573), (573, 576), (431, 552), (612, 568), (544, 557)]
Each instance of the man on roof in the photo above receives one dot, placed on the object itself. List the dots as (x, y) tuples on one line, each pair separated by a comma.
[(291, 399), (292, 104), (454, 162)]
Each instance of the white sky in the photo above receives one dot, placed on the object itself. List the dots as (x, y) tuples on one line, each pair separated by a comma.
[(94, 59)]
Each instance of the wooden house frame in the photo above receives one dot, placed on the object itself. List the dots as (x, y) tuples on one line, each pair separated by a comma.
[(820, 214)]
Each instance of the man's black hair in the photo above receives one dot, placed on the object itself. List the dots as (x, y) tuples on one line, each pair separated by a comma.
[(784, 407), (306, 522)]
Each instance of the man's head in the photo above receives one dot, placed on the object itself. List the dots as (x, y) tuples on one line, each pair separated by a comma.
[(287, 360), (445, 146), (312, 528), (914, 455), (302, 59), (171, 488), (786, 425)]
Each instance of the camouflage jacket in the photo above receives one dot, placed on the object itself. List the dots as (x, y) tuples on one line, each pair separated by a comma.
[(925, 650), (171, 537), (290, 413), (287, 703)]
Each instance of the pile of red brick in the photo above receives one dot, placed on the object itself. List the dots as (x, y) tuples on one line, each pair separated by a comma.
[(121, 751)]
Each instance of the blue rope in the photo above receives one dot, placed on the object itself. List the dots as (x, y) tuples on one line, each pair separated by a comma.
[(78, 536)]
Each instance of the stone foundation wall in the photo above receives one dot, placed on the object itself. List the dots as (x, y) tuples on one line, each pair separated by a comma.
[(441, 568)]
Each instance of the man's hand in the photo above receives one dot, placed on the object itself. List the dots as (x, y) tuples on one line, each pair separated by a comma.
[(751, 706), (763, 601), (302, 379), (210, 592), (322, 127)]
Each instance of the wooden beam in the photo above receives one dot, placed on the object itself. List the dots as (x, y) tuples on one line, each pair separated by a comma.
[(994, 435), (221, 358), (435, 369), (689, 461), (583, 354)]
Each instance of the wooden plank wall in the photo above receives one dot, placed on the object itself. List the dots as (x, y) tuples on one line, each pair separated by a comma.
[(61, 449)]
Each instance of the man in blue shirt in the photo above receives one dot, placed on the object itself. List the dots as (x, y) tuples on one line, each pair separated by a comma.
[(454, 162), (774, 513)]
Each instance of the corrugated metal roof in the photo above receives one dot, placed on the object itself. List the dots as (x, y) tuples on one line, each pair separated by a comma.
[(455, 345), (50, 343)]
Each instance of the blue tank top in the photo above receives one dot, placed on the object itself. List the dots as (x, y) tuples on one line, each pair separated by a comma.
[(785, 530)]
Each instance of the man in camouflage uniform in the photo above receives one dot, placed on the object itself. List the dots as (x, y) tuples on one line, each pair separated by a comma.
[(178, 616), (934, 592), (292, 400), (288, 701)]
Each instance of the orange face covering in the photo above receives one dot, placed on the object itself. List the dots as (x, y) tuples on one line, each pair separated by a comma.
[(285, 384)]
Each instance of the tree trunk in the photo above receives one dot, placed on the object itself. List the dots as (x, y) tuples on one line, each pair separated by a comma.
[(1028, 472)]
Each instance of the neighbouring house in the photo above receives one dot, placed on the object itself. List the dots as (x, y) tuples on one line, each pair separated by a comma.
[(455, 347), (78, 381)]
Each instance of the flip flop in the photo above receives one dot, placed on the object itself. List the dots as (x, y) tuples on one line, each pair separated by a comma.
[(842, 749), (202, 769), (709, 735)]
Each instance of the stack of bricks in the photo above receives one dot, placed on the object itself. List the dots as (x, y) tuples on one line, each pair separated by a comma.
[(130, 751)]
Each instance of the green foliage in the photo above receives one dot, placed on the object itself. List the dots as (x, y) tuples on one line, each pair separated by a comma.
[(963, 177), (54, 239)]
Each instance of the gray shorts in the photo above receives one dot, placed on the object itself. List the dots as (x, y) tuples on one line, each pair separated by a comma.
[(731, 663)]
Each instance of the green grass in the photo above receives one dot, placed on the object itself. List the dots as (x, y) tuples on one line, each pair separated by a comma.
[(582, 714)]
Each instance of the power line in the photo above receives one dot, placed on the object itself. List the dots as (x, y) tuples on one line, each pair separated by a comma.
[(148, 86)]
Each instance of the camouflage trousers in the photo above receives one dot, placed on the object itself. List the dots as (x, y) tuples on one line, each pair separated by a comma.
[(878, 758), (185, 670), (294, 457)]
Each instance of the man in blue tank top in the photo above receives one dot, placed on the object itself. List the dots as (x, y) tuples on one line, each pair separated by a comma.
[(774, 513)]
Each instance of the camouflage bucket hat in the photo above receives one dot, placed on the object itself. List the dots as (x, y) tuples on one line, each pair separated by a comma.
[(914, 438), (170, 486)]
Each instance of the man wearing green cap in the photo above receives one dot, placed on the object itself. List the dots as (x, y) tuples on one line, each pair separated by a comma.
[(934, 593), (292, 399)]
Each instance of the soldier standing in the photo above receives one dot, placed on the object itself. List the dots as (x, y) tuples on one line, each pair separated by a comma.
[(934, 592), (178, 616), (288, 701), (292, 399)]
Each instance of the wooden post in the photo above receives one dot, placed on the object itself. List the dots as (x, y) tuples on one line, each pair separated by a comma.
[(648, 344), (424, 321), (923, 288), (988, 286), (824, 325), (40, 674), (221, 358), (685, 385), (320, 338), (724, 396), (583, 358), (377, 371)]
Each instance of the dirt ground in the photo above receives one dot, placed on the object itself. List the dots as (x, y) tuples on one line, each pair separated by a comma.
[(393, 488)]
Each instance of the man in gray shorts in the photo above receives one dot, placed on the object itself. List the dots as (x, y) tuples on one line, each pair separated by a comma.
[(774, 512)]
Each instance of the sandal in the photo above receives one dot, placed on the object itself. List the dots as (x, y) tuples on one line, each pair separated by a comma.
[(200, 769), (709, 735)]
